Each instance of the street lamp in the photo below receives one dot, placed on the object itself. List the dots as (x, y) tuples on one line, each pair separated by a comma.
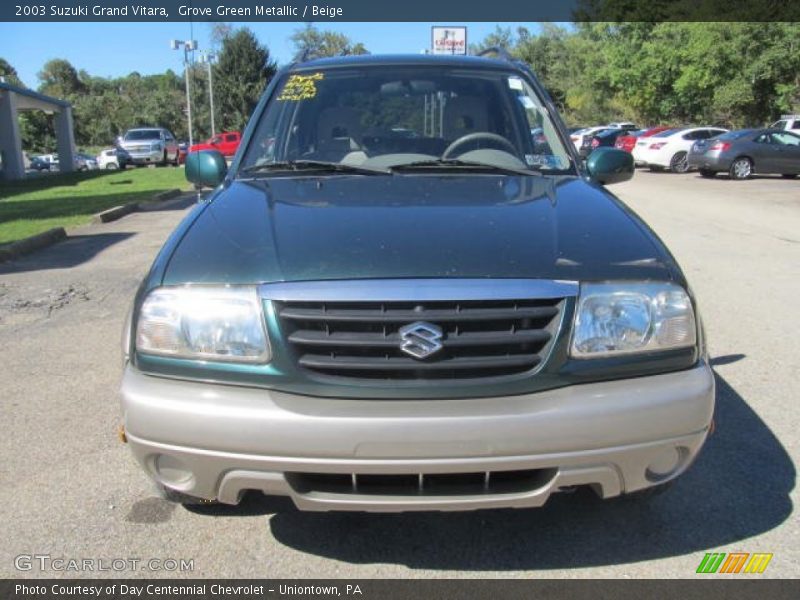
[(209, 58), (187, 45)]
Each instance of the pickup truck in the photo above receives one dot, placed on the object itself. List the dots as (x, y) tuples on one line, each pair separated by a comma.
[(363, 319), (150, 145), (227, 143)]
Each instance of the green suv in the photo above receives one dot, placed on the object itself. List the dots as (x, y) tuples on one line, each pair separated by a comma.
[(409, 293)]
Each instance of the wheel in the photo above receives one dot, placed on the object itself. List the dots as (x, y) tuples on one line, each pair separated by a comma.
[(789, 175), (707, 173), (112, 166), (741, 168), (679, 163)]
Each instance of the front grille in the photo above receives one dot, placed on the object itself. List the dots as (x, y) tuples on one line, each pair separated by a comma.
[(422, 484), (362, 339)]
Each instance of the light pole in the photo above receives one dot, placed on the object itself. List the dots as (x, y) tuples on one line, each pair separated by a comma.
[(208, 58), (187, 46)]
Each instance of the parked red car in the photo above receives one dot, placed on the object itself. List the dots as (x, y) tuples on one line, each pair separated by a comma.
[(226, 142), (627, 142)]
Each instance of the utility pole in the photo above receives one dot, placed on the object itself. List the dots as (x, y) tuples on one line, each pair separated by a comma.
[(208, 58), (187, 45)]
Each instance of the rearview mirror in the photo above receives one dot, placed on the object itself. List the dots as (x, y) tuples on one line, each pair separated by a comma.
[(206, 168), (609, 165)]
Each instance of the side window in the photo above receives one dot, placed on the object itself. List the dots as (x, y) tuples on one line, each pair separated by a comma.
[(778, 125), (169, 137), (216, 140), (796, 124), (762, 139), (786, 139), (231, 137), (692, 135)]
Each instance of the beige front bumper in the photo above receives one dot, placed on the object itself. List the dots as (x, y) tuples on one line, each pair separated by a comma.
[(215, 441)]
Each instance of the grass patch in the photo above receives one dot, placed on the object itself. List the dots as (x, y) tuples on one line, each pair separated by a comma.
[(40, 203)]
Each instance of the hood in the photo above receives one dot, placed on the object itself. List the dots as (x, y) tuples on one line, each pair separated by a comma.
[(346, 227)]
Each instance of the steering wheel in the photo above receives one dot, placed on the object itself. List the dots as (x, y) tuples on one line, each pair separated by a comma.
[(480, 135)]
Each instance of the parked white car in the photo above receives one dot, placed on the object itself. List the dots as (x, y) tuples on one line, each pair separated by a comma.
[(623, 125), (787, 122), (113, 158), (578, 137), (669, 149)]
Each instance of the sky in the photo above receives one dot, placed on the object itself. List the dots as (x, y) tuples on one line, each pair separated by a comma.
[(115, 49)]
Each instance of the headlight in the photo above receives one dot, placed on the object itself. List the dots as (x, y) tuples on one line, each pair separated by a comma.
[(622, 318), (207, 323)]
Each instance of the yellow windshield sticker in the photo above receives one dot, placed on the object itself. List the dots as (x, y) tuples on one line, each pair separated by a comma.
[(300, 87)]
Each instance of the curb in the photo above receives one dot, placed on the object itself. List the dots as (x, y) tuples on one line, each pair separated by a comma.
[(167, 195), (31, 244), (51, 236), (112, 214)]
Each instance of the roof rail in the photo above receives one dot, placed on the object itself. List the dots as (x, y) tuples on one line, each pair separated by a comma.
[(499, 51)]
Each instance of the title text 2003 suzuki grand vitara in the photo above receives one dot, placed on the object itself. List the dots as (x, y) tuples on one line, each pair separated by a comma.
[(407, 293)]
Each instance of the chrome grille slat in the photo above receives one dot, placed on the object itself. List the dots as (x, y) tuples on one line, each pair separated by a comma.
[(358, 339), (403, 316), (354, 363)]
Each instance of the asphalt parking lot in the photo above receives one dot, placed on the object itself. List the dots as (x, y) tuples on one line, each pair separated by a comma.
[(69, 489)]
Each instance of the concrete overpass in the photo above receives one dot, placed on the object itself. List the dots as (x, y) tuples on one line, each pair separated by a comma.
[(13, 100)]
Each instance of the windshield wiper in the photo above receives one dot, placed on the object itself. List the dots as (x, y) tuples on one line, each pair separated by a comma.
[(462, 165), (314, 165)]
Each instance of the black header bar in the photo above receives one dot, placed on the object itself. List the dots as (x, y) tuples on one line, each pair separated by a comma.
[(408, 10)]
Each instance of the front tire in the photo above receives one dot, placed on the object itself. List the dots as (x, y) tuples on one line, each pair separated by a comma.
[(679, 162), (741, 168), (112, 166), (707, 174), (789, 175)]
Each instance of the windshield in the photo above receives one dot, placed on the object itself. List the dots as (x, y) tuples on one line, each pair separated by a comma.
[(143, 134), (388, 117)]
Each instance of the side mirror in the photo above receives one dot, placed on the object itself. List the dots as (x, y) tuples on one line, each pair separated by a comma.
[(206, 168), (609, 165)]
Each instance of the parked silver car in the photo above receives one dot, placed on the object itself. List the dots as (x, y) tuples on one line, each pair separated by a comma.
[(746, 152), (150, 145)]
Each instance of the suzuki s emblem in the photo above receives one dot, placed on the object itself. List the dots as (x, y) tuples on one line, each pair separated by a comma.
[(420, 339)]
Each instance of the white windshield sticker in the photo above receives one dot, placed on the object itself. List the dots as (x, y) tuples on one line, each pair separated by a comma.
[(515, 83)]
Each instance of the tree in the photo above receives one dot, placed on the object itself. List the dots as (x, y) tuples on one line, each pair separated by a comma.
[(220, 32), (9, 73), (501, 37), (653, 72), (311, 42), (242, 72), (60, 79)]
